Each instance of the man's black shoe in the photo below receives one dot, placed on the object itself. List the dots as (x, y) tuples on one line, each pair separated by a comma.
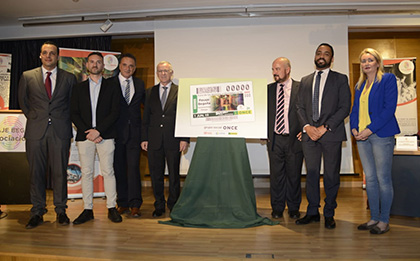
[(34, 222), (85, 216), (63, 219), (294, 214), (114, 216), (2, 214), (276, 214), (158, 213), (329, 222), (308, 219)]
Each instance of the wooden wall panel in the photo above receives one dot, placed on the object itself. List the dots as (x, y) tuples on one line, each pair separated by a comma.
[(390, 45)]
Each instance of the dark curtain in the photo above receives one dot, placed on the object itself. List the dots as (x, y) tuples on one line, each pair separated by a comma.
[(25, 55)]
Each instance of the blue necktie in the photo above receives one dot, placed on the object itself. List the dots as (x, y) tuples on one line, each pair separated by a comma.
[(164, 95), (315, 100)]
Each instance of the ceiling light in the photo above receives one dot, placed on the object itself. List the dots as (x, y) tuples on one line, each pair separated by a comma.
[(105, 26)]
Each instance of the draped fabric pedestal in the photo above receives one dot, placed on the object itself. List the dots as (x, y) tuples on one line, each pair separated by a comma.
[(218, 191)]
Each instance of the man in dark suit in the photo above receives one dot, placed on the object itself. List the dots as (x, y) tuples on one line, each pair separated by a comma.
[(323, 104), (284, 148), (95, 107), (44, 97), (127, 142), (158, 137)]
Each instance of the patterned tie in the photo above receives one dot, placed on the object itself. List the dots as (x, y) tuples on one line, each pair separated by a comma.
[(48, 84), (164, 95), (315, 100), (280, 111), (127, 92)]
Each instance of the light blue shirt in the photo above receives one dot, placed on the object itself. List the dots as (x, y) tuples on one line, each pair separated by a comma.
[(94, 89), (161, 90)]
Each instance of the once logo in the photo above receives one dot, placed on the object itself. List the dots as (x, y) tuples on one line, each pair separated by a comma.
[(230, 127)]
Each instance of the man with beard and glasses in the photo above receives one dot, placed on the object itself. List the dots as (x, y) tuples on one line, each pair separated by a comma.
[(95, 107), (284, 148), (323, 104)]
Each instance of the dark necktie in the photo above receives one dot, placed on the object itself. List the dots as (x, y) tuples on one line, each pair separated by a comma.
[(164, 95), (315, 100), (48, 84), (127, 92), (280, 111)]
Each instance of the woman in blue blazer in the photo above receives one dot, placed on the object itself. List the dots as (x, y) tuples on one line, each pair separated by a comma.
[(373, 125)]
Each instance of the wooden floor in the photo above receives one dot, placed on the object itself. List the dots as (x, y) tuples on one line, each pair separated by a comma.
[(145, 239)]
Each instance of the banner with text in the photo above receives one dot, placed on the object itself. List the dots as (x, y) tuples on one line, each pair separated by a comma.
[(12, 130), (5, 69), (405, 71)]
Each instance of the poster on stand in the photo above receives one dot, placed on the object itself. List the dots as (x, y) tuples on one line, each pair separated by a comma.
[(222, 108), (5, 70), (405, 71), (74, 61), (12, 131)]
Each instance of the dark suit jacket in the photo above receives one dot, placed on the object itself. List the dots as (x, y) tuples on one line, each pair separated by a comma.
[(107, 110), (159, 125), (38, 108), (129, 121), (335, 105), (294, 126)]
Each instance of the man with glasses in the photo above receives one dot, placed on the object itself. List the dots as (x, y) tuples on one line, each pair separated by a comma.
[(158, 137)]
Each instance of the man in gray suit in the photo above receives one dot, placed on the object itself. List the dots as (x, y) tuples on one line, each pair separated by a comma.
[(323, 104), (44, 97), (284, 148)]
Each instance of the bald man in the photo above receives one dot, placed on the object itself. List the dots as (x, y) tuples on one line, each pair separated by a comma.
[(284, 148)]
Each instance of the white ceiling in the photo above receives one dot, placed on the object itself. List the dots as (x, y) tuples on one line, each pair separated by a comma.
[(19, 12)]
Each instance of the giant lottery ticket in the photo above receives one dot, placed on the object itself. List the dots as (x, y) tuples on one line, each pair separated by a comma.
[(222, 102)]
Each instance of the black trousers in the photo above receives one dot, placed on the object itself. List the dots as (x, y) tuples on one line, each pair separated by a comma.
[(285, 175), (331, 153), (157, 169), (127, 174)]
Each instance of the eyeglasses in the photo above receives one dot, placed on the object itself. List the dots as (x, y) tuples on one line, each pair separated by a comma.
[(164, 71)]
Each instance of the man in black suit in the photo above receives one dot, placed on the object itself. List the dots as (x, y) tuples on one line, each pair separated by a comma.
[(323, 104), (44, 97), (127, 142), (158, 137), (95, 107), (284, 148)]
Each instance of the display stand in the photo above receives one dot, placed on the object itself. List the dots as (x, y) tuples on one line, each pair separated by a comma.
[(14, 178), (218, 191), (406, 183)]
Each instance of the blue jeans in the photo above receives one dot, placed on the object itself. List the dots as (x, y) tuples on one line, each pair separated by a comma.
[(376, 154)]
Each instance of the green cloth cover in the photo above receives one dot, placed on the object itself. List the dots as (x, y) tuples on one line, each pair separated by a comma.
[(218, 191)]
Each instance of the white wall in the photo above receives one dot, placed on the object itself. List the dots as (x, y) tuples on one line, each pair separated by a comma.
[(245, 48)]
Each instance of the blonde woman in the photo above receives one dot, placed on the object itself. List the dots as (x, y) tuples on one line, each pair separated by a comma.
[(373, 125)]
